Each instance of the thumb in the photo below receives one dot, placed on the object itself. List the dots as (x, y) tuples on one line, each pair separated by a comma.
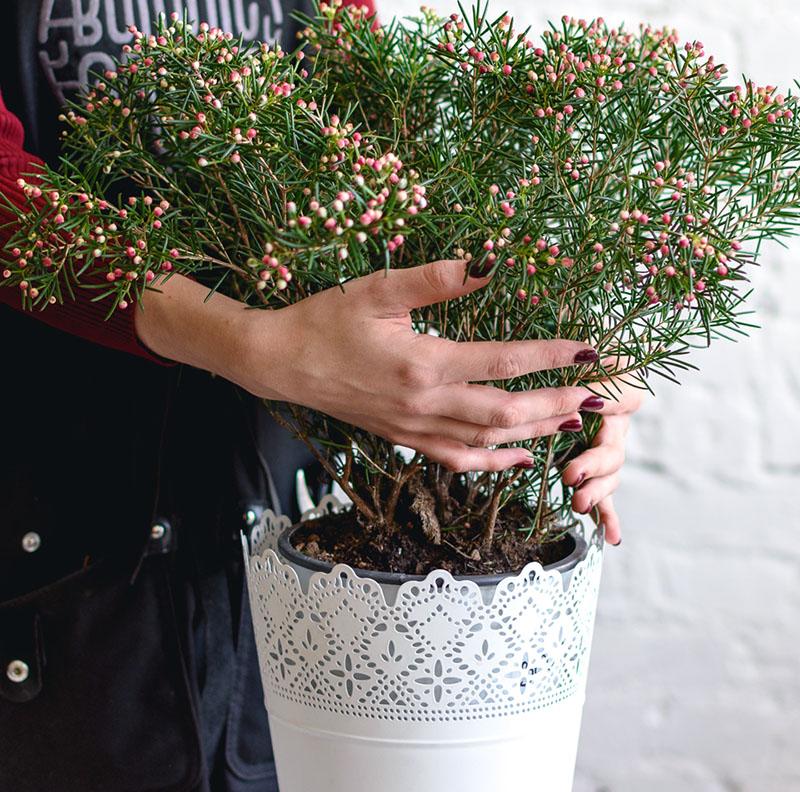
[(415, 287)]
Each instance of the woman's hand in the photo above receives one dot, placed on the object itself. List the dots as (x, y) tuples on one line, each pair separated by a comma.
[(352, 353), (595, 472)]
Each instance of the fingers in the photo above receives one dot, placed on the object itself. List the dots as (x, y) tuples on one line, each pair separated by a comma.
[(602, 460), (484, 436), (494, 407), (619, 398), (501, 360), (613, 431), (461, 458), (608, 518), (414, 287), (593, 491), (595, 475)]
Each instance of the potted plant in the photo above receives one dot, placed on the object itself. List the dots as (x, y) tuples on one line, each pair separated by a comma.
[(436, 630)]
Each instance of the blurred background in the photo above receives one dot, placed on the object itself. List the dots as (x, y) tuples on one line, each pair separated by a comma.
[(695, 678)]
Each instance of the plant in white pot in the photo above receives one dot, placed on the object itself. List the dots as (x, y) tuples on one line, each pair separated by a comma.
[(608, 189)]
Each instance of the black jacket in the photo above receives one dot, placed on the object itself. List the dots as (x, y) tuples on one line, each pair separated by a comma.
[(127, 661)]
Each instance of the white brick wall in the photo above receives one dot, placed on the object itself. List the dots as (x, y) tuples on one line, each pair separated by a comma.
[(695, 681)]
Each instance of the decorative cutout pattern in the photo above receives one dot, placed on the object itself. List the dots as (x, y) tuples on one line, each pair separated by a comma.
[(438, 653)]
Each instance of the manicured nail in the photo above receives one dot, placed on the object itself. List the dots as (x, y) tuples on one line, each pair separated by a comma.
[(480, 269), (579, 483), (573, 425), (593, 404), (526, 463), (587, 356)]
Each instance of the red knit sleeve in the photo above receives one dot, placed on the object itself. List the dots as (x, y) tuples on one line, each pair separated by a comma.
[(81, 316)]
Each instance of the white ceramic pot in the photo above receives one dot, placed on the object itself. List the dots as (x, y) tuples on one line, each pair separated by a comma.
[(430, 684)]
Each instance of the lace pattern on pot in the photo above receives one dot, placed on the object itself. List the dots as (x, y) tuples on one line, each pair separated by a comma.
[(438, 653)]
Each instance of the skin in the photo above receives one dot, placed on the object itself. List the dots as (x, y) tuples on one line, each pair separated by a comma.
[(353, 354)]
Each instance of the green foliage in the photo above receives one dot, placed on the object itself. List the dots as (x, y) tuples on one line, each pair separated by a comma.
[(616, 187)]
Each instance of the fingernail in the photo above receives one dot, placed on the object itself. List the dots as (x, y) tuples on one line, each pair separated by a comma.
[(587, 356), (593, 403), (573, 425), (579, 482), (526, 463), (617, 544), (480, 269)]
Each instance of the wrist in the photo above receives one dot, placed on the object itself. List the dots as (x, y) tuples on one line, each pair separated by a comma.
[(258, 361), (180, 322)]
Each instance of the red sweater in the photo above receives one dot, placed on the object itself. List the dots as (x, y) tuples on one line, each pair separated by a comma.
[(81, 317)]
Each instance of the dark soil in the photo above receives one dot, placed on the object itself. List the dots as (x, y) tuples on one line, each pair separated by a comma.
[(343, 538)]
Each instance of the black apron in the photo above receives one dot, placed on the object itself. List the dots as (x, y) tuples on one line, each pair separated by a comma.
[(127, 660)]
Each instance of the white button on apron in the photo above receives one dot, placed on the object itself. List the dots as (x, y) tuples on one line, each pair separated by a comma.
[(31, 542), (17, 671)]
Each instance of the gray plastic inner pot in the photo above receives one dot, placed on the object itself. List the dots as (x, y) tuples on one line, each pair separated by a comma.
[(565, 566)]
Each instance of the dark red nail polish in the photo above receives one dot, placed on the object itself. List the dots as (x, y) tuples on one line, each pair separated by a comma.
[(593, 404), (573, 425), (587, 356), (480, 269)]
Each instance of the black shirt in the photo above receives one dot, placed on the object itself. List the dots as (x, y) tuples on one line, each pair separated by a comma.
[(140, 669), (96, 443)]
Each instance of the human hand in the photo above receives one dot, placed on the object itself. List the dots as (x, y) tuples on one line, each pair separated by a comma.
[(595, 474), (352, 353)]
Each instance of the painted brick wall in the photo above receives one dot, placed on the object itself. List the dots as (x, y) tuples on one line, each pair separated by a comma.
[(695, 681)]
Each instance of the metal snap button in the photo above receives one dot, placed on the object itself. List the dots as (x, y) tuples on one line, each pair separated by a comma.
[(31, 542), (18, 671)]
